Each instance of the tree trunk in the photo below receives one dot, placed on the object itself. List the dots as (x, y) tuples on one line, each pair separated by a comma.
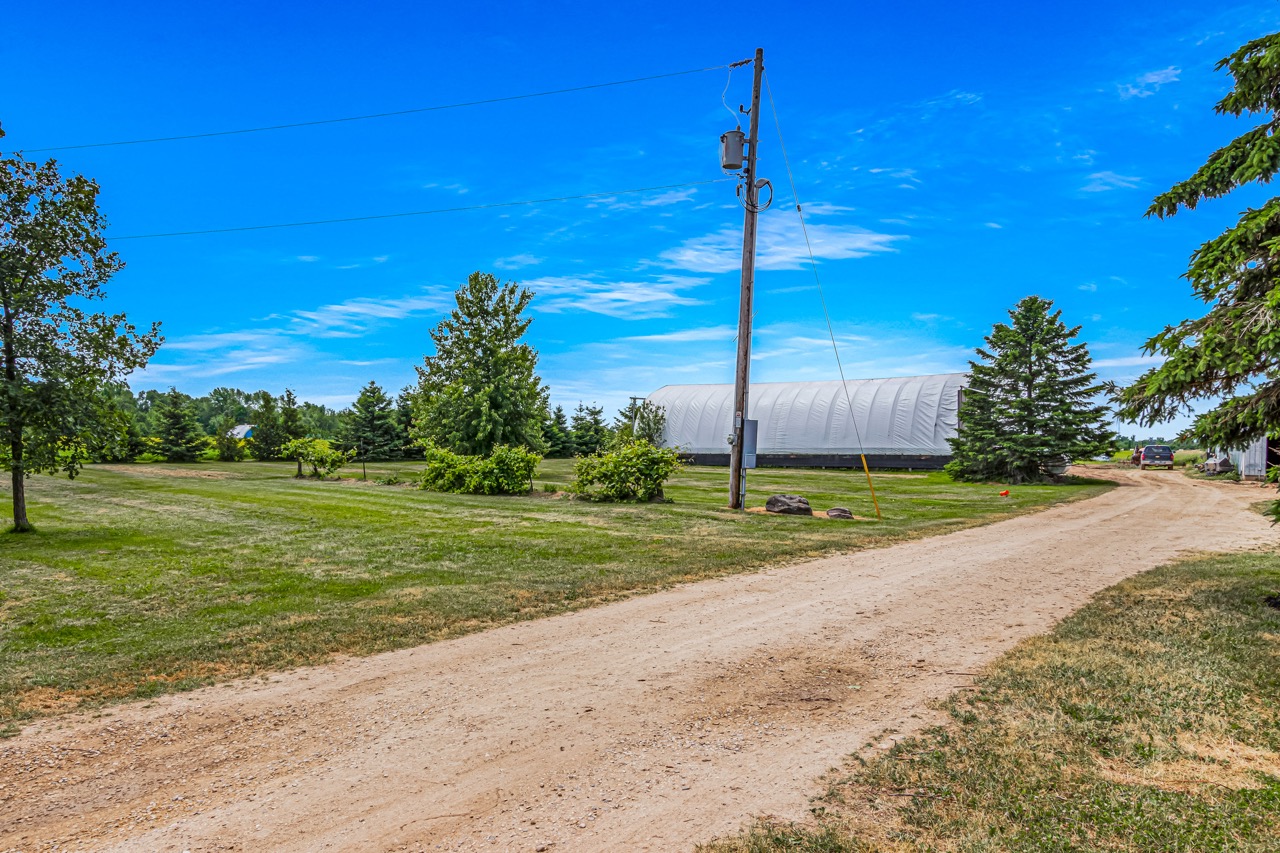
[(20, 522)]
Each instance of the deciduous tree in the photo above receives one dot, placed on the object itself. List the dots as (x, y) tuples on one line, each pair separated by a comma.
[(640, 421), (268, 429), (58, 358), (481, 388)]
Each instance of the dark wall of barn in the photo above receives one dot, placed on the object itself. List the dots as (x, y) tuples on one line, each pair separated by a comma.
[(825, 460)]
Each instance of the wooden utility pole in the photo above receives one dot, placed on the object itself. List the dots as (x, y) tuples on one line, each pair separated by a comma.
[(742, 376)]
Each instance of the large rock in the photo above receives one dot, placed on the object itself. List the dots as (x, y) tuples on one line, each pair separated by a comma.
[(839, 512), (788, 505)]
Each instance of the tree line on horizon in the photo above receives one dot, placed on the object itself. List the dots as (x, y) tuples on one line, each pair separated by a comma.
[(172, 426)]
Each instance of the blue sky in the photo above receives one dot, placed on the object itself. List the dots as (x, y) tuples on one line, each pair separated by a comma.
[(952, 159)]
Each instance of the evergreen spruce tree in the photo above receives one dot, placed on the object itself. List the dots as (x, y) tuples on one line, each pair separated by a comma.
[(555, 429), (588, 430), (369, 427), (481, 387), (177, 428), (1028, 403), (404, 424), (290, 416), (268, 429), (1231, 355)]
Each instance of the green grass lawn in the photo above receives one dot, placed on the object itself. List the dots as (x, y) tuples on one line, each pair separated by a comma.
[(1148, 721), (143, 579)]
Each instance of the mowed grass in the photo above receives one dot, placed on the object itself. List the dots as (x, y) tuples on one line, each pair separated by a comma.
[(143, 579), (1148, 721)]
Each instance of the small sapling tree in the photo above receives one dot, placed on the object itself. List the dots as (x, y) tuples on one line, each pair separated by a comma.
[(323, 458)]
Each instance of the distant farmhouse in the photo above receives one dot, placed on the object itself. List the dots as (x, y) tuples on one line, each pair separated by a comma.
[(903, 422), (242, 431)]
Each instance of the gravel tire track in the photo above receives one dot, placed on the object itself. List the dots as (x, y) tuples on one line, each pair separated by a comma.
[(648, 724)]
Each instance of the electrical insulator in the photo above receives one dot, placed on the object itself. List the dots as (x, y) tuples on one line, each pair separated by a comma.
[(731, 145)]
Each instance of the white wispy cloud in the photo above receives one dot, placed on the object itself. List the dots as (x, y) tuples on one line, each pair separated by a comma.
[(355, 317), (1129, 361), (669, 197), (626, 300), (1089, 287), (996, 225), (780, 245), (707, 333), (1148, 84), (308, 259), (1103, 181), (515, 262)]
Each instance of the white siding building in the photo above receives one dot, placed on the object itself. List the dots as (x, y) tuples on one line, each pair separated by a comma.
[(903, 422)]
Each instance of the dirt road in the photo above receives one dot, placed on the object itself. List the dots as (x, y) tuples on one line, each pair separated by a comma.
[(644, 725)]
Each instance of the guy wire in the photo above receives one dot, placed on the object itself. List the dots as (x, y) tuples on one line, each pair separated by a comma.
[(813, 263)]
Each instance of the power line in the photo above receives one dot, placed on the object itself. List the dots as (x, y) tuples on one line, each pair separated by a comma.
[(417, 212), (813, 263), (318, 122)]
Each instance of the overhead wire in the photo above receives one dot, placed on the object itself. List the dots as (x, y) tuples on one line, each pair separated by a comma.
[(368, 116), (813, 263), (490, 206)]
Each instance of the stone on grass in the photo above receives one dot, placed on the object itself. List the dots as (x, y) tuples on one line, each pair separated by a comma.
[(839, 512), (788, 505)]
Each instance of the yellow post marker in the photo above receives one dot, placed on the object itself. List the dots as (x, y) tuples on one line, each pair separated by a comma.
[(871, 486)]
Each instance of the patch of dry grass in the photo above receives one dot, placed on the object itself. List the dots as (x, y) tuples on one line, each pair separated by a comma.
[(1147, 721)]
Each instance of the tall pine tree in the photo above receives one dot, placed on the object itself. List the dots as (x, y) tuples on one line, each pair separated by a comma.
[(369, 427), (555, 429), (481, 387), (1231, 355), (1029, 401), (404, 424), (177, 428), (290, 416), (588, 430)]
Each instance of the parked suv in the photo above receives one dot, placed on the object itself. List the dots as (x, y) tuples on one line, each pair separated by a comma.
[(1156, 456)]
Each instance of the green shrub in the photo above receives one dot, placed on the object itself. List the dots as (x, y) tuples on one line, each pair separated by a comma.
[(506, 471), (392, 479), (149, 457), (317, 453), (632, 472)]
